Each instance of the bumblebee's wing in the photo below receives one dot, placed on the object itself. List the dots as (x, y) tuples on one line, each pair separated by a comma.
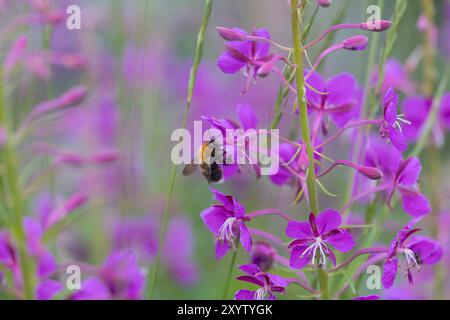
[(190, 169)]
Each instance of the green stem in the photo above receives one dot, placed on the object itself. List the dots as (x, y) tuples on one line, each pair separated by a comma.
[(323, 282), (230, 273), (304, 121), (191, 85), (15, 199), (304, 126)]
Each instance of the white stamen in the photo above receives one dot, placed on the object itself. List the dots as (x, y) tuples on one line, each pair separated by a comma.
[(411, 258), (320, 246), (226, 230), (400, 119), (261, 293)]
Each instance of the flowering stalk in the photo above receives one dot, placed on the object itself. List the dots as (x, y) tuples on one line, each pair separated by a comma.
[(11, 180), (191, 85), (304, 123)]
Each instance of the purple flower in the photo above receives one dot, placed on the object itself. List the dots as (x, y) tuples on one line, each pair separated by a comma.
[(313, 238), (268, 284), (420, 250), (398, 175), (227, 223), (391, 128), (336, 97), (247, 55)]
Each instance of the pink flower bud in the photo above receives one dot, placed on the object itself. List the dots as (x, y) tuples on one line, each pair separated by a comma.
[(74, 202), (370, 172), (230, 34), (71, 159), (73, 96), (376, 26), (16, 53), (265, 69), (324, 3), (106, 156), (358, 42)]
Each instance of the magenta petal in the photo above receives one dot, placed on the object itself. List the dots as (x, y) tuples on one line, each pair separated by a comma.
[(46, 265), (444, 113), (398, 139), (410, 171), (429, 250), (245, 295), (296, 261), (228, 64), (390, 98), (222, 248), (278, 281), (47, 289), (250, 269), (251, 279), (342, 241), (415, 203), (390, 114), (389, 272), (328, 220), (261, 48), (315, 81), (299, 230), (247, 116), (214, 217), (341, 89), (245, 238), (227, 201)]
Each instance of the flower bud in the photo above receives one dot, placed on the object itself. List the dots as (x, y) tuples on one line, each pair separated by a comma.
[(324, 3), (358, 42), (263, 255), (229, 34), (74, 202), (370, 172), (265, 69), (376, 26), (106, 156), (73, 96)]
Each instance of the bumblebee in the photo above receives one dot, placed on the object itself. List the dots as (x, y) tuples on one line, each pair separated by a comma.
[(206, 156)]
